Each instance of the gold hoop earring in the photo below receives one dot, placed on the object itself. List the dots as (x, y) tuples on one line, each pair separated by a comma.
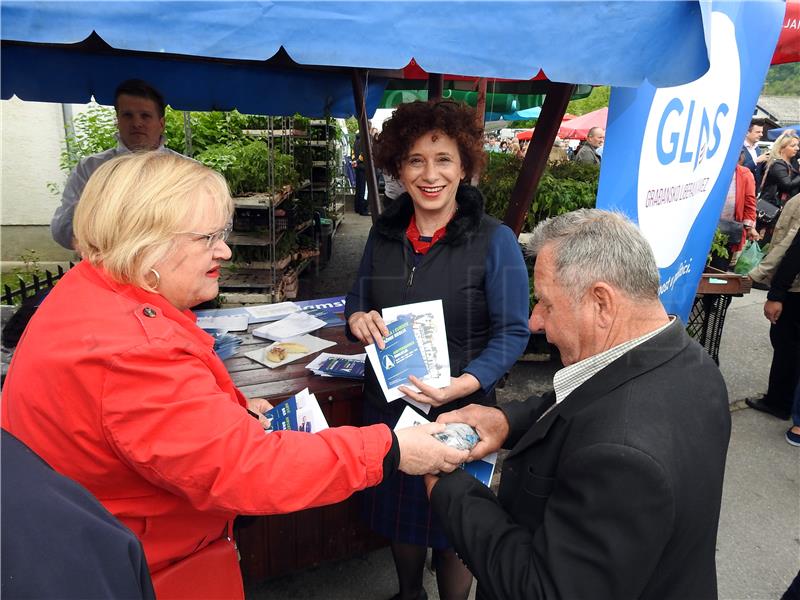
[(158, 278)]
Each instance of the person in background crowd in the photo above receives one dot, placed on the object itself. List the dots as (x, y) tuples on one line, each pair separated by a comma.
[(558, 153), (128, 398), (740, 207), (436, 242), (613, 483), (780, 180), (754, 159), (587, 153), (783, 302), (504, 146), (140, 125), (784, 331)]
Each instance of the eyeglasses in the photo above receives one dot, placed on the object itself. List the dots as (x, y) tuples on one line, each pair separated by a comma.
[(212, 238)]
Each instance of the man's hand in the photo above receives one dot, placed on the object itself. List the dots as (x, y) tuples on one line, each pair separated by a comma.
[(490, 423), (421, 453), (368, 327), (459, 387), (773, 310), (753, 234), (259, 406), (762, 158)]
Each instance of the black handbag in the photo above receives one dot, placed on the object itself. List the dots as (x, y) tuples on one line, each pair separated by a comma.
[(732, 229), (767, 212)]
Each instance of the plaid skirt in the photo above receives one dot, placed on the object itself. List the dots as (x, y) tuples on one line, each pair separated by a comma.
[(398, 507)]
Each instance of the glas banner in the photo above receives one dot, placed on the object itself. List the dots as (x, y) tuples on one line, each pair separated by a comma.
[(670, 152)]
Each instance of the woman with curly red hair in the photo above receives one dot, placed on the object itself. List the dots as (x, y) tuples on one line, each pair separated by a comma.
[(435, 242)]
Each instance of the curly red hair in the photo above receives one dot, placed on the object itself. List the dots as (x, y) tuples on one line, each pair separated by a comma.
[(413, 120)]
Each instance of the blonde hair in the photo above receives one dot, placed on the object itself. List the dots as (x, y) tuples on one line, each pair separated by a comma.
[(778, 146), (133, 206)]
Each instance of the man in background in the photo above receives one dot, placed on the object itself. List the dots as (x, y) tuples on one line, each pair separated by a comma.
[(753, 158), (140, 125), (587, 153)]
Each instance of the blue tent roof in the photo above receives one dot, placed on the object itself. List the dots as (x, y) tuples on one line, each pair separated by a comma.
[(773, 134), (229, 54)]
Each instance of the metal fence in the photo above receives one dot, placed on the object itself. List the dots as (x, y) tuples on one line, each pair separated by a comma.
[(27, 289)]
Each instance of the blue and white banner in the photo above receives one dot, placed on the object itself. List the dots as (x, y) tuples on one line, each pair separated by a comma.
[(670, 152)]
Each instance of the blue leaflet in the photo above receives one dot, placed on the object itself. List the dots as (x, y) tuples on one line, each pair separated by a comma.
[(401, 357), (284, 416), (331, 319), (343, 367)]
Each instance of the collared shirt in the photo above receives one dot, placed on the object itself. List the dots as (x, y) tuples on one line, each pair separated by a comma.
[(752, 150), (568, 379), (61, 224)]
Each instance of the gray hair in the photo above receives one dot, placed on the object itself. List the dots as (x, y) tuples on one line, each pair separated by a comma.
[(591, 245)]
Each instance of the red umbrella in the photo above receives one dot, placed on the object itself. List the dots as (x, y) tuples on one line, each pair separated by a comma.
[(577, 128), (788, 48), (525, 135)]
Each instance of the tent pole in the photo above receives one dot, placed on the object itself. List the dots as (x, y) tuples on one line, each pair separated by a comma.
[(480, 113), (435, 86), (553, 111), (375, 203)]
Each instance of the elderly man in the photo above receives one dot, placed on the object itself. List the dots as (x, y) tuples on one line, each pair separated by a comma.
[(613, 483), (587, 153), (140, 125)]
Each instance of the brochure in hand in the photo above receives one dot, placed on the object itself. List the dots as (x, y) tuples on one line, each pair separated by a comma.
[(427, 323), (400, 358), (301, 412), (482, 470)]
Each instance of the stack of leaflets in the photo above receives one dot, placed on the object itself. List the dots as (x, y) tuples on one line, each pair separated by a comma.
[(227, 319), (301, 412), (350, 366), (295, 324), (416, 345), (482, 470), (225, 344)]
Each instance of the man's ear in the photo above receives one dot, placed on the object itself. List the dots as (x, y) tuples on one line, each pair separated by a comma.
[(606, 302)]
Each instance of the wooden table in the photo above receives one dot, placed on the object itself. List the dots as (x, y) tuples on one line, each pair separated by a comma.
[(279, 544)]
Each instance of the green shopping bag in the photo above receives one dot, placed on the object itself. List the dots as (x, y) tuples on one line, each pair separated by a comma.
[(749, 258)]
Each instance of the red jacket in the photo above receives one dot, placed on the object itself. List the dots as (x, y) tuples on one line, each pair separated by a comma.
[(117, 389), (745, 207)]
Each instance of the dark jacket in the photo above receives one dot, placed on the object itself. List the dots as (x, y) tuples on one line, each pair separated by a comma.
[(455, 271), (614, 494), (781, 181), (58, 541)]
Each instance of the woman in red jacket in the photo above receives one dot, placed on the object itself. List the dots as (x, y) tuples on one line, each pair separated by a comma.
[(115, 386)]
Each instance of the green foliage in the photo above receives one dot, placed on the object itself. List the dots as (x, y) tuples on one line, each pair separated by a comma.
[(352, 129), (562, 188), (783, 80), (93, 131), (245, 166), (599, 98), (719, 246)]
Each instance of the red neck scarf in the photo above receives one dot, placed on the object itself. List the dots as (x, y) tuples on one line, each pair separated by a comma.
[(422, 246)]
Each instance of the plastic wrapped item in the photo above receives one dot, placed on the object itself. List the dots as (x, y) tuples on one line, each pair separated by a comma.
[(459, 436)]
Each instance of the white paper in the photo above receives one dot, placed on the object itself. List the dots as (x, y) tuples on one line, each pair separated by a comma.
[(270, 312), (295, 324), (309, 414), (226, 322), (311, 343)]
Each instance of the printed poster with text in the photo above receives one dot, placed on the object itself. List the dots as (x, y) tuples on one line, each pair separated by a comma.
[(670, 152)]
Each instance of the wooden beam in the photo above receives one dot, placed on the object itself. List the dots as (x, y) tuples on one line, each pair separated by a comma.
[(553, 110), (435, 86), (480, 112), (375, 203)]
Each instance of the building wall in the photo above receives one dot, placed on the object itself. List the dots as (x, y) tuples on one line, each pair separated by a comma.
[(30, 147)]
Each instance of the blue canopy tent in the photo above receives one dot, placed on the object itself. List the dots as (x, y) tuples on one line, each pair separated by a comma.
[(313, 57), (773, 134)]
